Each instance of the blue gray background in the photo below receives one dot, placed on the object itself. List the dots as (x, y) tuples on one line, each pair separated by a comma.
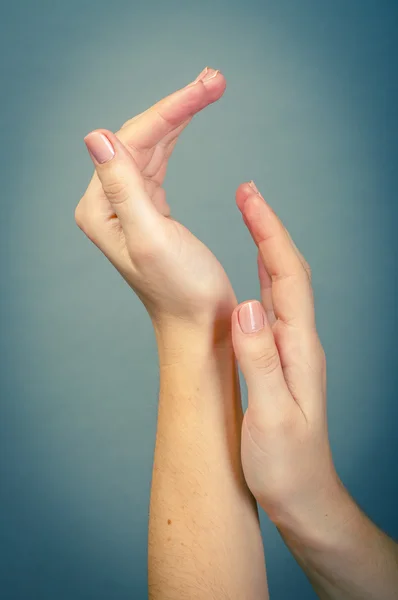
[(310, 115)]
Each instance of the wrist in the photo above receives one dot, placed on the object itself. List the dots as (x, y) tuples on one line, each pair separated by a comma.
[(198, 373), (183, 339), (323, 522)]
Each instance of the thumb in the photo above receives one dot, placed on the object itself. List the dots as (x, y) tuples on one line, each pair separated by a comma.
[(121, 181), (258, 356)]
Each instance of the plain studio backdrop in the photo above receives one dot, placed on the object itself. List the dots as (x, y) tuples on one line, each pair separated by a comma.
[(310, 115)]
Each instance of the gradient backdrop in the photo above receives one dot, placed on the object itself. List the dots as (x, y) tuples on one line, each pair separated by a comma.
[(310, 114)]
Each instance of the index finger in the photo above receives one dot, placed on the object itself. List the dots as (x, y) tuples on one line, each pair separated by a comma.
[(292, 296), (175, 110)]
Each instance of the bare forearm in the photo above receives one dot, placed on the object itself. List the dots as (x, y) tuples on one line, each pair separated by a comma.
[(345, 556), (204, 536)]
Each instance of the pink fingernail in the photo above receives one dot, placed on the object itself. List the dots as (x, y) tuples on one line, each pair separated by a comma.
[(99, 146), (251, 317), (210, 74), (205, 75)]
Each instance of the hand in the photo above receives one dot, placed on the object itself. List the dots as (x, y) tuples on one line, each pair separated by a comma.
[(285, 449), (125, 213)]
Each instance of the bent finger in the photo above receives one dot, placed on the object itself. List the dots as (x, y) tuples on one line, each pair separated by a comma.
[(174, 111), (122, 182)]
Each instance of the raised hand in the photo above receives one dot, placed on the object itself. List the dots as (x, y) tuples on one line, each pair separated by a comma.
[(125, 213), (285, 450), (190, 301)]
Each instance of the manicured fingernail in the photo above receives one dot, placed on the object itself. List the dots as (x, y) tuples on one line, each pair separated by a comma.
[(205, 75), (251, 317), (253, 186), (210, 74), (99, 146)]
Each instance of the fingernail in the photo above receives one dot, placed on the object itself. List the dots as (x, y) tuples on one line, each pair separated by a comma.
[(99, 146), (251, 317), (210, 74), (205, 75), (253, 186)]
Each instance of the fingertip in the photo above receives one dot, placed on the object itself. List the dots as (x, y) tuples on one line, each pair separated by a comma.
[(213, 81), (245, 190), (217, 84), (202, 92), (99, 131), (99, 146), (253, 216), (241, 195), (259, 218), (251, 317), (251, 204)]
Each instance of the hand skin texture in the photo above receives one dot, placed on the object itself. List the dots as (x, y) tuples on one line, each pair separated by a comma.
[(204, 535), (286, 455)]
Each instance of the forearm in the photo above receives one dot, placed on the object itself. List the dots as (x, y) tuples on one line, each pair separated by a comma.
[(204, 535), (344, 554)]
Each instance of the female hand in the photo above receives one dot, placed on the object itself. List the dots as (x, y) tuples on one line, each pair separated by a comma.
[(285, 449), (125, 213)]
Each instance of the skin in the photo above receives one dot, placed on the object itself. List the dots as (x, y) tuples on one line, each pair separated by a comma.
[(204, 535), (204, 538), (286, 454), (186, 281)]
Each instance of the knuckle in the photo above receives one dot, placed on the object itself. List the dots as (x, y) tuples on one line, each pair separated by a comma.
[(116, 191), (265, 360)]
